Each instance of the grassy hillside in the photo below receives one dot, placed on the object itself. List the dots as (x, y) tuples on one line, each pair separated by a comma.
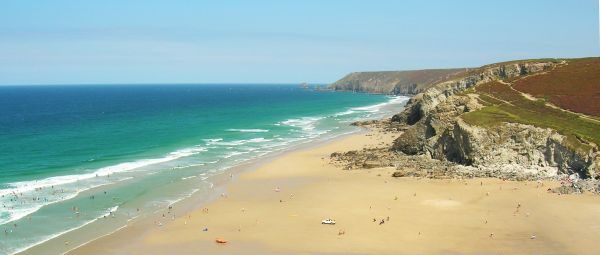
[(505, 104), (574, 86)]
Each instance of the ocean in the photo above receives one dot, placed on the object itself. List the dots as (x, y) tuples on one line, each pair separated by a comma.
[(71, 155)]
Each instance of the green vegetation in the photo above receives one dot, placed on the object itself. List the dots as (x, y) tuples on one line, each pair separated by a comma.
[(504, 104)]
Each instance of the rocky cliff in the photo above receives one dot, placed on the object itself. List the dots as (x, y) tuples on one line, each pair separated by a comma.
[(420, 105), (498, 136), (394, 82)]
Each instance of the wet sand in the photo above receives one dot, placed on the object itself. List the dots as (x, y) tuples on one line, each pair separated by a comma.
[(278, 208)]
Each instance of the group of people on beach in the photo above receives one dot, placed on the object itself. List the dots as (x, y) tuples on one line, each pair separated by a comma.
[(18, 199), (382, 221)]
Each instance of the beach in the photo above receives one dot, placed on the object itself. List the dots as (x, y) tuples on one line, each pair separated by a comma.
[(277, 208), (104, 172)]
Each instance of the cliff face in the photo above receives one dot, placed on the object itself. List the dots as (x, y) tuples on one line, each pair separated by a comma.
[(394, 82), (421, 104), (501, 141), (513, 147)]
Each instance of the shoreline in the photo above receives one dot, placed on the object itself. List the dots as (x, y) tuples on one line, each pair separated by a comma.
[(125, 216), (186, 204), (285, 197)]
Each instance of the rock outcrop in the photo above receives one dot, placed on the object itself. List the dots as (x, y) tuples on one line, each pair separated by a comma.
[(511, 147)]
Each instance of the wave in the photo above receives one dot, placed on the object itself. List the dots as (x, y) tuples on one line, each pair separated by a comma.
[(13, 195), (181, 198), (81, 245), (25, 186), (304, 123), (303, 130), (307, 124), (241, 142), (49, 237), (393, 100), (212, 140), (348, 112), (233, 153), (377, 107), (255, 130)]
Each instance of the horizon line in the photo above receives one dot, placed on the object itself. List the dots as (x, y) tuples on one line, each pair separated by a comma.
[(163, 83)]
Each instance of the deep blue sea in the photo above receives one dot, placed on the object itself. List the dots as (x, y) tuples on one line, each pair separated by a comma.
[(79, 153)]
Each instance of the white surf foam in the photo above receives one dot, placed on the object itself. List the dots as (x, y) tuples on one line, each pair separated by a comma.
[(242, 142), (304, 123), (348, 112), (26, 189), (253, 130), (49, 237), (377, 107)]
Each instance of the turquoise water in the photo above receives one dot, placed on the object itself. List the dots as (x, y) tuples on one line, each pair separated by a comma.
[(79, 153)]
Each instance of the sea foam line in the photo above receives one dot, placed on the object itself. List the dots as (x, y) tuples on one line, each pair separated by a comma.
[(50, 237), (252, 130), (17, 188), (25, 186)]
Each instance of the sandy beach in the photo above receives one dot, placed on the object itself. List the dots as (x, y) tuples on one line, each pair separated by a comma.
[(278, 208)]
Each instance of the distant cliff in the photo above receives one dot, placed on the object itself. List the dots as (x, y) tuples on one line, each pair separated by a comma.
[(394, 82)]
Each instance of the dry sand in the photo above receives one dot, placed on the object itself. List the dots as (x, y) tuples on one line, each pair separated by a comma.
[(476, 216)]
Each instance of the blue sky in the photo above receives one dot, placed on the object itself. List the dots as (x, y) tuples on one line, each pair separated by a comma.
[(176, 41)]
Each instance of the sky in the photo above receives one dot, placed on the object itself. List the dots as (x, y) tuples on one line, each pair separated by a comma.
[(178, 41)]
